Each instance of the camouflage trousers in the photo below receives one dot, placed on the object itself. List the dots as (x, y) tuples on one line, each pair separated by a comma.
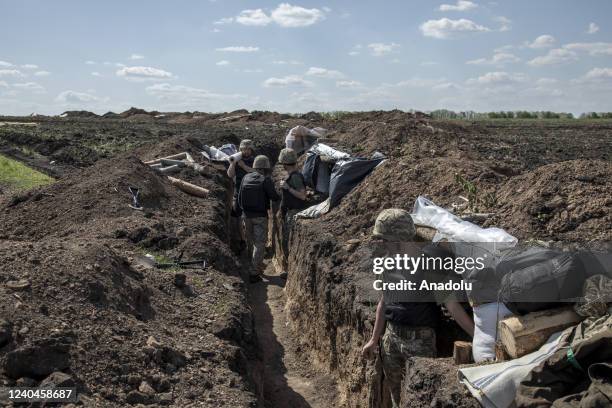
[(288, 222), (398, 344), (256, 235)]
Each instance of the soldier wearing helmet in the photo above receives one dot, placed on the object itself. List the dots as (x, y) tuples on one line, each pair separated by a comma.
[(256, 192), (410, 326), (236, 171), (293, 191)]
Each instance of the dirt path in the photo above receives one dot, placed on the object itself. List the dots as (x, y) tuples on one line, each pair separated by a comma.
[(289, 380)]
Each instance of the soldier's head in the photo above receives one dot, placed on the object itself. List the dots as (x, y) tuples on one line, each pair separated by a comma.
[(247, 147), (288, 158), (262, 164), (394, 225)]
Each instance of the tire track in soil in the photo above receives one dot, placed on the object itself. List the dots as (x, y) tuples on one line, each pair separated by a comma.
[(289, 379)]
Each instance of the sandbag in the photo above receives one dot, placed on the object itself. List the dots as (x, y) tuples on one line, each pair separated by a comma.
[(537, 279)]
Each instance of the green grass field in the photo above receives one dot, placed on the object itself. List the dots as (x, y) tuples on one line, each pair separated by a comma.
[(18, 176)]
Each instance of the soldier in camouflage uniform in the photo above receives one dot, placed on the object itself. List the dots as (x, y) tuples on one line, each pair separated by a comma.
[(400, 341), (293, 193), (256, 193)]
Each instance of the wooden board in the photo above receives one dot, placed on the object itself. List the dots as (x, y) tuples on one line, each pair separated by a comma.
[(521, 335)]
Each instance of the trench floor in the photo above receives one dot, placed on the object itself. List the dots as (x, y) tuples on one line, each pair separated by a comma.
[(289, 379)]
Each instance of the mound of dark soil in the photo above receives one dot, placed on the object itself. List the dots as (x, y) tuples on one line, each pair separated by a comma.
[(72, 287), (79, 114), (432, 383), (562, 201), (137, 111)]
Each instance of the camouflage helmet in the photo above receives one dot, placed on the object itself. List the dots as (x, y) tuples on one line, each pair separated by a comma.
[(246, 144), (394, 224), (261, 162), (287, 156)]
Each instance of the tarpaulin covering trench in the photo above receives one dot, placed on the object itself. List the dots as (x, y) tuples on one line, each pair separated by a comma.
[(346, 172)]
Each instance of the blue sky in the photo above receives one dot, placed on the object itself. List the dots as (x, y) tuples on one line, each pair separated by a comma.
[(311, 55)]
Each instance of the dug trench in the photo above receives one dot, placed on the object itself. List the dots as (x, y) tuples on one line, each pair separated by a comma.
[(73, 287)]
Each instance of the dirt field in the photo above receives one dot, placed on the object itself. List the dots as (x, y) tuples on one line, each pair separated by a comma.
[(72, 287)]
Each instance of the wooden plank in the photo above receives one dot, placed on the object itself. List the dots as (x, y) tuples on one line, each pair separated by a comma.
[(521, 335), (462, 352), (189, 188)]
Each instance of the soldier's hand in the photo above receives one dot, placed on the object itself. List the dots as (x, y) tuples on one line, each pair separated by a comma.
[(369, 349)]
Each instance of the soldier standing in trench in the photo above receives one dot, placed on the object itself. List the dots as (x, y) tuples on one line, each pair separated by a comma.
[(410, 326), (256, 192), (239, 169), (293, 191)]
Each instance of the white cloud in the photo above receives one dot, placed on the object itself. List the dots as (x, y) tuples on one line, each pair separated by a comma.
[(380, 49), (499, 58), (225, 20), (143, 73), (428, 63), (167, 91), (461, 5), (287, 15), (290, 80), (10, 72), (29, 66), (420, 82), (505, 23), (554, 57), (3, 84), (90, 62), (324, 73), (593, 49), (543, 41), (5, 64), (447, 28), (593, 28), (135, 57), (283, 62), (238, 49), (599, 75), (253, 18), (547, 81), (96, 74), (348, 84), (222, 63), (73, 97), (30, 87), (42, 73), (497, 78)]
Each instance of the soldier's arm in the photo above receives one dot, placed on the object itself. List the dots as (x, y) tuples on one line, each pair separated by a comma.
[(379, 328), (245, 167), (231, 170), (461, 317)]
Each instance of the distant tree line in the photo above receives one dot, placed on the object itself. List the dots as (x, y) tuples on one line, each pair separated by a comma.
[(471, 115)]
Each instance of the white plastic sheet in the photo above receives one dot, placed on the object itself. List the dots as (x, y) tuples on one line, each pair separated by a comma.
[(323, 149), (494, 385), (454, 229), (314, 211)]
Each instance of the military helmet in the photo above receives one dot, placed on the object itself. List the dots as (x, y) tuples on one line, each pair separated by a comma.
[(246, 144), (261, 162), (287, 156), (394, 224)]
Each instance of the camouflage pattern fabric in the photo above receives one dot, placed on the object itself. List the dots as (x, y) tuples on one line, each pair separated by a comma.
[(257, 235), (597, 294), (394, 224), (398, 344), (288, 222)]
